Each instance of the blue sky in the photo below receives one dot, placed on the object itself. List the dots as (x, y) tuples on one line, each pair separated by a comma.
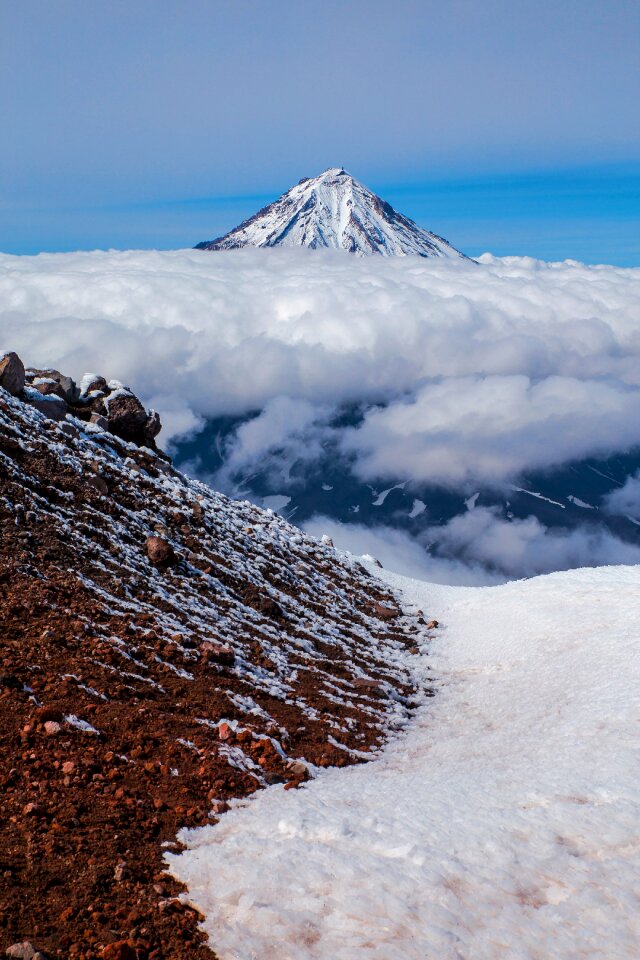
[(505, 126)]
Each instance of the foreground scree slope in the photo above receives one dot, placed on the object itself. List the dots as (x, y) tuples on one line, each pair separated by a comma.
[(164, 650), (503, 824)]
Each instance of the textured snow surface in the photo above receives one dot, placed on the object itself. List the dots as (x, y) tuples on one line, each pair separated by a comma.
[(504, 824), (334, 210)]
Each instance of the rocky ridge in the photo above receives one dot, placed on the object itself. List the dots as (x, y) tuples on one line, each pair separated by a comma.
[(164, 650), (107, 404)]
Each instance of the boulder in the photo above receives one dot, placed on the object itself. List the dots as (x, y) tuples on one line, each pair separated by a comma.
[(129, 420), (298, 770), (213, 652), (99, 421), (11, 373), (384, 612), (225, 732), (92, 383), (160, 552), (365, 683), (52, 381), (120, 950), (99, 484), (52, 406), (24, 951)]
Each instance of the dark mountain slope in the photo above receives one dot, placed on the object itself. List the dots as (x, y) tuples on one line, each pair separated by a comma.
[(164, 649)]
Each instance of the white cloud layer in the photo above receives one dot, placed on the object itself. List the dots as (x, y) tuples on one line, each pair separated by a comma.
[(486, 429), (484, 369), (399, 552), (274, 440), (625, 501), (479, 547)]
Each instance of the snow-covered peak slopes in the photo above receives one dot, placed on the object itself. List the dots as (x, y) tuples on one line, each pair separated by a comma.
[(334, 210)]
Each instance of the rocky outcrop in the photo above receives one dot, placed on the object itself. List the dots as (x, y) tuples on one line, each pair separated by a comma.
[(128, 419), (52, 381), (107, 404), (11, 373)]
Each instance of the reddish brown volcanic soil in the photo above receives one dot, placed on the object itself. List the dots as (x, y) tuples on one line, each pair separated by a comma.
[(137, 697)]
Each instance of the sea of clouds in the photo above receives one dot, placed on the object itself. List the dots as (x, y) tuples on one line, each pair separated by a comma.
[(464, 373)]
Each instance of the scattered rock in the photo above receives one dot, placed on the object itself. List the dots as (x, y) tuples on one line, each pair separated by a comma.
[(129, 420), (217, 653), (24, 951), (52, 406), (110, 406), (99, 484), (225, 732), (120, 950), (384, 612), (91, 629), (160, 552), (52, 728), (11, 373), (92, 383), (432, 625), (99, 421), (8, 681)]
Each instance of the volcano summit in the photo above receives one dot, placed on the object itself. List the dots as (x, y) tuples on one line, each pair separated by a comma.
[(334, 210)]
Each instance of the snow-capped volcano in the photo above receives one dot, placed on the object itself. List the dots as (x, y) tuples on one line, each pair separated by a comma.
[(334, 210)]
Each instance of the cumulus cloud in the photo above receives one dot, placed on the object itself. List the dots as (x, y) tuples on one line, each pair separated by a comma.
[(274, 439), (464, 370), (489, 429), (479, 547), (525, 548), (399, 552), (625, 501)]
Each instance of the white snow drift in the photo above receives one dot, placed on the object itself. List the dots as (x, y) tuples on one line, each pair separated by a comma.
[(503, 824)]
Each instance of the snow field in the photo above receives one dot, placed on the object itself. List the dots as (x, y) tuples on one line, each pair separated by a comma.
[(503, 824)]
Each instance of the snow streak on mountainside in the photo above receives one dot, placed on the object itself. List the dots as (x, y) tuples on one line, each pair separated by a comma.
[(334, 210)]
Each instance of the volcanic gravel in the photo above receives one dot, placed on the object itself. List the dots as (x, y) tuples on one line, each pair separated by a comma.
[(143, 686)]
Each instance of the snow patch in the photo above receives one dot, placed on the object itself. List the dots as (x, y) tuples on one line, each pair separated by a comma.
[(503, 824)]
